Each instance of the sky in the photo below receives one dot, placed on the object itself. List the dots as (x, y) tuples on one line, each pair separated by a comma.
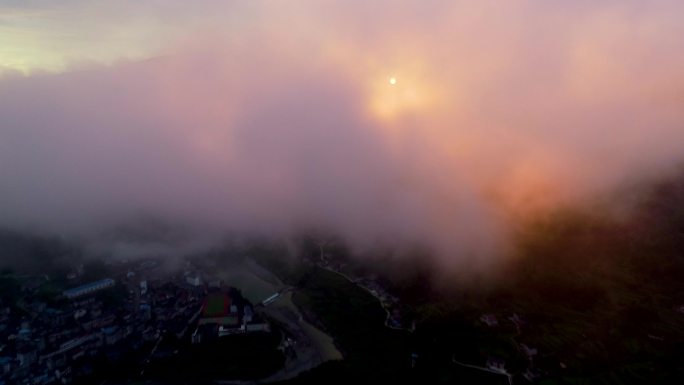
[(439, 123)]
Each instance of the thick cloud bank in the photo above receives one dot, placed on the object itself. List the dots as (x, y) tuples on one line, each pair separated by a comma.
[(290, 122)]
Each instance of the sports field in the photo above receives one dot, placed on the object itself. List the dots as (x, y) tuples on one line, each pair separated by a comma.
[(216, 305)]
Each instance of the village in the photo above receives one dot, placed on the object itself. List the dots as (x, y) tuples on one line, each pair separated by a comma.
[(61, 340)]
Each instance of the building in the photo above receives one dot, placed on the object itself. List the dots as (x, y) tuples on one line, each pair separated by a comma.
[(76, 342), (496, 364), (532, 374), (529, 351), (112, 335), (193, 280), (248, 314), (5, 365), (258, 327), (270, 299), (227, 331), (26, 356), (196, 337), (89, 288), (489, 319)]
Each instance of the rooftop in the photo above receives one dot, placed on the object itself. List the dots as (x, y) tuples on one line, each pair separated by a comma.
[(89, 286)]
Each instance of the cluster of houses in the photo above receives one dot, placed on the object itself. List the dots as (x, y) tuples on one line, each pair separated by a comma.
[(40, 343), (496, 364), (56, 343), (225, 312)]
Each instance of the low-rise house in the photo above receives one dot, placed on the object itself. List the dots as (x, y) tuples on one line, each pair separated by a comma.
[(80, 313), (78, 341), (150, 334), (516, 319), (248, 314), (193, 280), (26, 356), (5, 364), (145, 311), (528, 351), (196, 337), (532, 374), (112, 335), (489, 320), (258, 327), (496, 364), (64, 375)]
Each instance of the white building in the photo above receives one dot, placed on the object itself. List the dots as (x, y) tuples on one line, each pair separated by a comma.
[(89, 288), (193, 280)]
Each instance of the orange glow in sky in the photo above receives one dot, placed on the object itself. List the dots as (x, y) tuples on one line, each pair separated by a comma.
[(382, 118)]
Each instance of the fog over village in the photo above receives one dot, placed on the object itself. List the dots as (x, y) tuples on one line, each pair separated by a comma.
[(304, 192)]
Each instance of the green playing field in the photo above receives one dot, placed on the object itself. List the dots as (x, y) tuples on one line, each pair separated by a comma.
[(217, 304)]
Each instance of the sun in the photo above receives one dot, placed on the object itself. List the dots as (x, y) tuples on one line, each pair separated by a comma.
[(393, 95)]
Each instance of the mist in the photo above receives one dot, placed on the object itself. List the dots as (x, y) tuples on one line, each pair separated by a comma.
[(283, 120)]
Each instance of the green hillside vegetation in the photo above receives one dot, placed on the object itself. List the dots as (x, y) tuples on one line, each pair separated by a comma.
[(598, 294)]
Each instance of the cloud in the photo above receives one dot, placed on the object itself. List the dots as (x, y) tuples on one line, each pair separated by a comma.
[(288, 122)]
